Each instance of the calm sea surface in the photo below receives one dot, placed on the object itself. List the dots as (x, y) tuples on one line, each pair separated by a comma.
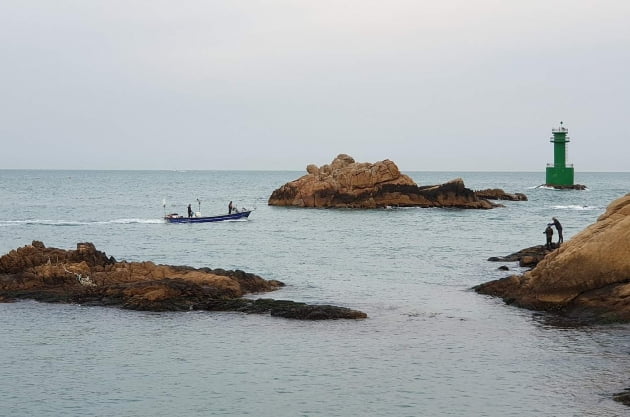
[(430, 347)]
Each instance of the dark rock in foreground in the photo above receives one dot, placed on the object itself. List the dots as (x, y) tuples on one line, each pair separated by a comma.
[(284, 308), (88, 277), (528, 257)]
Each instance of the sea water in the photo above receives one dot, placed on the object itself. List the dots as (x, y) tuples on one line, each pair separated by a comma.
[(430, 347)]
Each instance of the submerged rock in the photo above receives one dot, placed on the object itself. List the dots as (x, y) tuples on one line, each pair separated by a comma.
[(348, 184), (623, 397), (587, 278), (87, 276)]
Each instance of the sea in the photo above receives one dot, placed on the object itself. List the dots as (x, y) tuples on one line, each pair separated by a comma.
[(430, 345)]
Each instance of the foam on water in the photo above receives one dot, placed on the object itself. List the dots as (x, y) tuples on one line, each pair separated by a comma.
[(49, 222), (576, 207), (550, 188)]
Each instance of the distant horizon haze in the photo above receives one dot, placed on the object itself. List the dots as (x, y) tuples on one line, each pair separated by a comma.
[(452, 85)]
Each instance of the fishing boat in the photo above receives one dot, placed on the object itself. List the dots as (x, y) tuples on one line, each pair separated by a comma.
[(196, 217), (176, 218)]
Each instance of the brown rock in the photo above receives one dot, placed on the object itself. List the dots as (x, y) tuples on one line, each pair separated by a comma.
[(529, 261), (36, 266), (345, 183), (587, 277), (89, 277), (312, 169), (37, 254)]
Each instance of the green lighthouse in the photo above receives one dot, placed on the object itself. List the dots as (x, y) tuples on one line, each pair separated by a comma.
[(559, 174)]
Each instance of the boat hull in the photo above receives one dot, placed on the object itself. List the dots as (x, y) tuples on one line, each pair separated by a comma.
[(207, 219)]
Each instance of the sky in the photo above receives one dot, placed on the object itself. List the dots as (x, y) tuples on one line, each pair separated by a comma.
[(440, 85)]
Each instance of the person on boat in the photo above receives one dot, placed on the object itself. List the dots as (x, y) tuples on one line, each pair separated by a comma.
[(549, 233), (230, 208), (558, 226), (190, 213)]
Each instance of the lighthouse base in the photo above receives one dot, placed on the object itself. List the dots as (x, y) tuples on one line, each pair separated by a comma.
[(559, 176), (564, 187)]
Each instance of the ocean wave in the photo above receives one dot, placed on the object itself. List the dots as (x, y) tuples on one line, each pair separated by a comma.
[(547, 187), (131, 221), (575, 207), (48, 222)]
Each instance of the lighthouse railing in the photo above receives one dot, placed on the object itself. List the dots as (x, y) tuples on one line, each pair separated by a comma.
[(565, 139), (565, 166)]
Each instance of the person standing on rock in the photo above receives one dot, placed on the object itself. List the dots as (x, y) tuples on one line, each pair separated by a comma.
[(558, 226), (549, 232)]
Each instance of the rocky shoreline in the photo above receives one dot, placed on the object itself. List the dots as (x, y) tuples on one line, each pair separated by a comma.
[(345, 183), (585, 279), (87, 276)]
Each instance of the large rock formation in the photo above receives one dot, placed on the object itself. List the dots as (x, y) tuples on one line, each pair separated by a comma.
[(348, 184), (88, 276), (588, 277)]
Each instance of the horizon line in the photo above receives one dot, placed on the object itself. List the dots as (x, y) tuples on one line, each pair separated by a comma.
[(266, 170)]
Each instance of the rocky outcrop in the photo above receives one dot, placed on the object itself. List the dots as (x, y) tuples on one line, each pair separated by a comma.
[(347, 184), (87, 276), (37, 254), (587, 278), (528, 257), (499, 194)]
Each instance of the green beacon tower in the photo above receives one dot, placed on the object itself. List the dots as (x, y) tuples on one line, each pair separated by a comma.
[(559, 174)]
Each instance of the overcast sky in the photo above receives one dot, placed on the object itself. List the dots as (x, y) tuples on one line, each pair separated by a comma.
[(453, 85)]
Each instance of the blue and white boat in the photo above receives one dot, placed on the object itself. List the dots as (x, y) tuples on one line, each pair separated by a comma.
[(234, 214), (176, 218)]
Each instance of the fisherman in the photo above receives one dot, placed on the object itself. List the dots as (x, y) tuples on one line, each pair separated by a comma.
[(549, 232), (190, 213), (558, 226), (230, 208)]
